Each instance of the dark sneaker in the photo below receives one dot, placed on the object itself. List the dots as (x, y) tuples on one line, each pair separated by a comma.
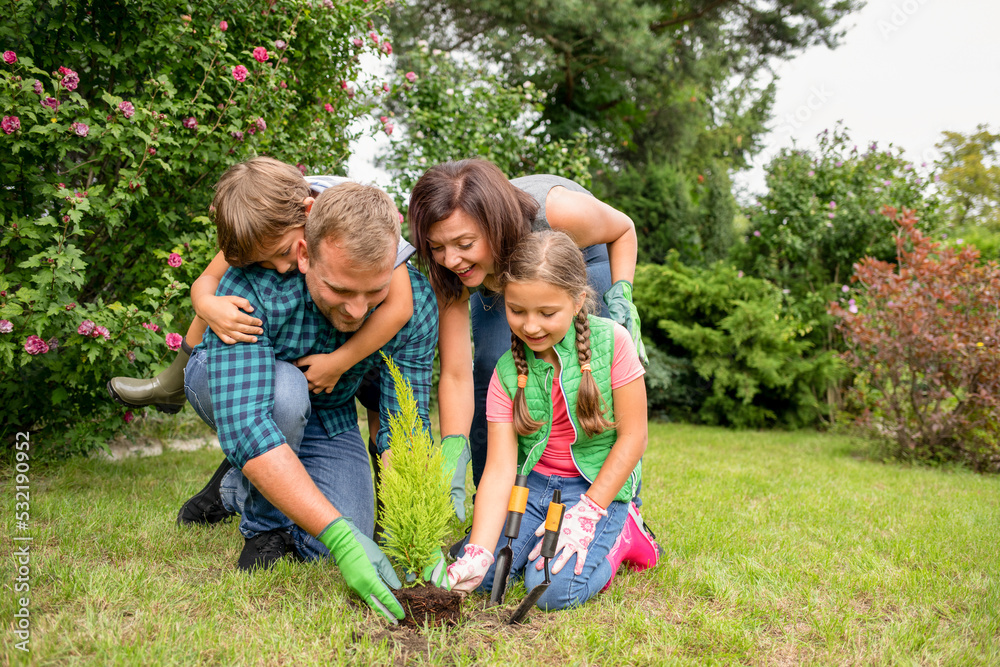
[(266, 549), (205, 507)]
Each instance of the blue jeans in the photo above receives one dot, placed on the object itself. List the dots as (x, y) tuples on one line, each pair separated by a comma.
[(339, 466), (491, 338), (567, 589)]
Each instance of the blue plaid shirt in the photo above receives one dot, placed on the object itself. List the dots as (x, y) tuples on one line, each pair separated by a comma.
[(241, 376)]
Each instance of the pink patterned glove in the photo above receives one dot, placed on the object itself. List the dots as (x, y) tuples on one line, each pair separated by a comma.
[(466, 573), (578, 527)]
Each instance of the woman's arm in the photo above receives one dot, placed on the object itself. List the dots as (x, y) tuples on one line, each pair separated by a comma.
[(590, 221), (630, 413), (223, 313), (456, 400)]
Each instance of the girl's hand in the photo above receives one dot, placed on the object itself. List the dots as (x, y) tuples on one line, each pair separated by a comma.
[(224, 314), (578, 527), (466, 573), (323, 373)]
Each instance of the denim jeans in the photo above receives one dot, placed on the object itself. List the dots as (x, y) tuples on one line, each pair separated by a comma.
[(567, 589), (491, 338), (339, 466)]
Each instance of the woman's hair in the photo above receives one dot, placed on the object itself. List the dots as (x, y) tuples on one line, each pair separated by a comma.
[(480, 190), (552, 257)]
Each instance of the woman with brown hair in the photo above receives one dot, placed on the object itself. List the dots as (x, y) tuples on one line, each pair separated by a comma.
[(466, 219)]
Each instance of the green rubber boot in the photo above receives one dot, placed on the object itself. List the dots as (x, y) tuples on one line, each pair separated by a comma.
[(165, 392)]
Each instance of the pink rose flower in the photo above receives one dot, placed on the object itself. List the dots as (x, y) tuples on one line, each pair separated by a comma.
[(126, 108), (411, 76), (374, 36), (128, 416), (260, 54), (280, 44), (223, 26), (174, 341), (100, 331), (343, 85), (70, 79), (9, 57), (240, 73), (252, 129), (10, 124), (357, 41), (37, 87), (261, 125), (328, 107), (81, 129), (6, 326), (174, 260), (35, 345), (386, 48), (51, 103), (86, 328), (152, 327), (237, 135), (383, 119), (388, 128), (190, 122), (385, 87)]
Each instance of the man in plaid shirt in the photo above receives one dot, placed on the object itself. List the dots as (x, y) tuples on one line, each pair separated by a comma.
[(297, 470)]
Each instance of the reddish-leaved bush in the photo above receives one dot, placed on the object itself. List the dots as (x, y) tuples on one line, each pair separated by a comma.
[(925, 341)]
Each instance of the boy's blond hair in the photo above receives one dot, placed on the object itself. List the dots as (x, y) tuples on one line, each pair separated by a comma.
[(361, 219), (255, 203)]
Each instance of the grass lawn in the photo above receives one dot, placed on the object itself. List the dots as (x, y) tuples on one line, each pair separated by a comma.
[(781, 548)]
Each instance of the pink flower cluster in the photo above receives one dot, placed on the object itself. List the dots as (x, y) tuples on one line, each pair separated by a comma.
[(9, 57), (175, 260), (240, 73), (51, 103), (328, 107), (10, 124), (35, 345), (190, 122), (223, 26), (81, 129), (411, 76), (152, 327), (126, 108), (6, 326), (386, 125), (260, 54), (37, 87), (70, 78), (87, 328), (174, 341)]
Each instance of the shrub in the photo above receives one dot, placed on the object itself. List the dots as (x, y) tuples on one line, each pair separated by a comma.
[(117, 119), (740, 337), (924, 333), (452, 110), (821, 215), (416, 494)]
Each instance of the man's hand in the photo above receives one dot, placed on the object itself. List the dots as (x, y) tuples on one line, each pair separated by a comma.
[(365, 568), (322, 371), (466, 573), (623, 311), (224, 314), (457, 454)]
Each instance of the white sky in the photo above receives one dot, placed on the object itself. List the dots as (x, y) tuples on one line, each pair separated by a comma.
[(905, 71)]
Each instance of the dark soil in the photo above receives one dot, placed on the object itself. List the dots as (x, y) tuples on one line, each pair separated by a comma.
[(429, 605)]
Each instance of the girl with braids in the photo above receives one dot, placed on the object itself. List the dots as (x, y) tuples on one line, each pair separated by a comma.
[(466, 218), (566, 407)]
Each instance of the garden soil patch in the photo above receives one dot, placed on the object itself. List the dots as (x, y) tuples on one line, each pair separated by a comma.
[(429, 605)]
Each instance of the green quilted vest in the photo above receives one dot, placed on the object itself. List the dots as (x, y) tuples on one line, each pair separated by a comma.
[(588, 453)]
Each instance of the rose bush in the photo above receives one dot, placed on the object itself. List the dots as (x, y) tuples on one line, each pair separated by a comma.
[(117, 119)]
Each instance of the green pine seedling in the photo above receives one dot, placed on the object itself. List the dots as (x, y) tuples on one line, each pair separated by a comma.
[(416, 501)]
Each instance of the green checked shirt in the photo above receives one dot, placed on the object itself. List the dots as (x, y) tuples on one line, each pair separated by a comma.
[(241, 376)]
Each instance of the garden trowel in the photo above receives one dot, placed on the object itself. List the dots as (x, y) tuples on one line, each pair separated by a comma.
[(515, 510), (553, 526)]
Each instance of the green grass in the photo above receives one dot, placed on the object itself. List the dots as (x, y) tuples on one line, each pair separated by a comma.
[(782, 548)]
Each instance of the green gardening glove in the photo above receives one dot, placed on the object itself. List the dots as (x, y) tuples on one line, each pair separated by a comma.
[(437, 572), (622, 311), (365, 568), (457, 455)]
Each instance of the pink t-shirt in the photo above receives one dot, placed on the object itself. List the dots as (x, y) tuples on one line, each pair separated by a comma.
[(556, 459)]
